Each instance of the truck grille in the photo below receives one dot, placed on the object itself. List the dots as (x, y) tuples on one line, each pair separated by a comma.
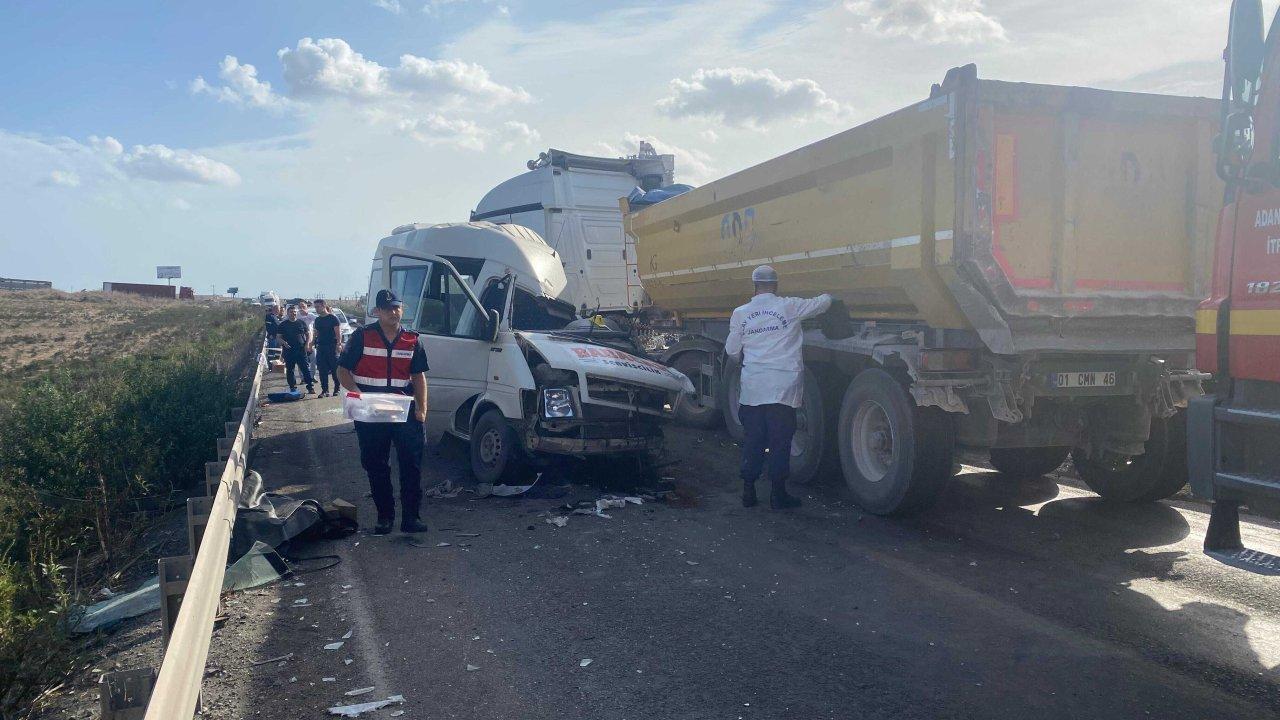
[(612, 392)]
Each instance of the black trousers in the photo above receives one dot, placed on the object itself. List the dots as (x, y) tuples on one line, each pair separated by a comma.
[(767, 427), (376, 440), (297, 358), (327, 365)]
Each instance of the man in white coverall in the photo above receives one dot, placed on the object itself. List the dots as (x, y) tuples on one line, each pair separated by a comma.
[(767, 333)]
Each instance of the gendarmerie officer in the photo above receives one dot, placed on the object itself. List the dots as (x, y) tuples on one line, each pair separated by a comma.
[(386, 358), (766, 332)]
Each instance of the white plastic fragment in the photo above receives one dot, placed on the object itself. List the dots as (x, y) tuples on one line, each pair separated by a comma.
[(333, 646), (584, 662), (558, 520), (359, 691), (355, 710), (332, 679), (347, 661), (633, 500), (348, 635), (472, 668)]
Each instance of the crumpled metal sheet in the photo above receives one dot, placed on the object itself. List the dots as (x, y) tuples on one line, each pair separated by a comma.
[(270, 518)]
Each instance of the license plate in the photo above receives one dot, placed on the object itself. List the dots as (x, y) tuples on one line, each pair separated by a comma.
[(1083, 379)]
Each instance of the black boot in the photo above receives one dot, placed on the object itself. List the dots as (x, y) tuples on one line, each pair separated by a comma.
[(384, 526), (749, 493), (779, 499), (412, 525)]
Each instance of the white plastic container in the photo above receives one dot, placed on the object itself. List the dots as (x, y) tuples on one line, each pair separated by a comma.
[(376, 407)]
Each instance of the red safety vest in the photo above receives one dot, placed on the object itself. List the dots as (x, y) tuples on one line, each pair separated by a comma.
[(382, 368)]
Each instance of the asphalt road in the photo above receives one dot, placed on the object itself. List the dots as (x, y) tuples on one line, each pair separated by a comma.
[(1008, 600)]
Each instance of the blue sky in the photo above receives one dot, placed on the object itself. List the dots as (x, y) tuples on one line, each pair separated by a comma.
[(118, 159)]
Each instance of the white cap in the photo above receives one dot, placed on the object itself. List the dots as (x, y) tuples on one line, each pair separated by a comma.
[(764, 274)]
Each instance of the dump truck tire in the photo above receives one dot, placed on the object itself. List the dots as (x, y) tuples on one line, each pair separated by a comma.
[(1158, 473), (896, 457), (496, 455), (688, 410), (730, 390), (809, 446), (1019, 463)]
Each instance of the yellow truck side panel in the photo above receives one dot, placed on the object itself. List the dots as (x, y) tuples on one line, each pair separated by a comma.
[(1044, 202)]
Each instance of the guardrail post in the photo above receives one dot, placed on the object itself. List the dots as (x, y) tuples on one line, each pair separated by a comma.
[(197, 518), (123, 694), (174, 573), (224, 447), (213, 476)]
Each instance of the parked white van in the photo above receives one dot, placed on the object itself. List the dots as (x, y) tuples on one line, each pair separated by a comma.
[(506, 375)]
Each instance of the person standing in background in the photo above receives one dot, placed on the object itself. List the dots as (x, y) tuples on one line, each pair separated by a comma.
[(272, 325), (295, 338), (308, 317), (328, 334)]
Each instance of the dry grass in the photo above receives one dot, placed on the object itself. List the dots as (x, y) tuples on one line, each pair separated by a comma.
[(41, 330)]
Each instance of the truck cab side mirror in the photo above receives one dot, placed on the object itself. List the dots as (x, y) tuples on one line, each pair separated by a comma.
[(494, 321)]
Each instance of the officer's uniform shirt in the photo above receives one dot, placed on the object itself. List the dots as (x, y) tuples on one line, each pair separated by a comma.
[(767, 332)]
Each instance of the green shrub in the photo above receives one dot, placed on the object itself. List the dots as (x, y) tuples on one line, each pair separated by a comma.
[(88, 453)]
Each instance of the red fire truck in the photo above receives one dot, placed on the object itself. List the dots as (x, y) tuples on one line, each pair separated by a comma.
[(1234, 431)]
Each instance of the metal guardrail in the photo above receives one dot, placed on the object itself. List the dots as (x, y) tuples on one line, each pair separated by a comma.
[(190, 587)]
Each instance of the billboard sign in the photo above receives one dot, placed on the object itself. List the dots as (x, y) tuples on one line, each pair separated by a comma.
[(168, 272)]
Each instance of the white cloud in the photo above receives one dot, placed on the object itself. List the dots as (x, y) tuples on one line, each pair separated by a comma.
[(929, 21), (518, 134), (65, 178), (433, 6), (108, 145), (180, 204), (164, 164), (328, 67), (744, 97), (428, 78), (242, 86), (709, 135), (692, 166), (391, 6), (434, 129), (504, 11)]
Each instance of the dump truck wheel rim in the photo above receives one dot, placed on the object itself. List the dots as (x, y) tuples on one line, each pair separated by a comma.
[(873, 441)]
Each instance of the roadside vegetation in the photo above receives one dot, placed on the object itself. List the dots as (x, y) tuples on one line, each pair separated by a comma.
[(109, 408)]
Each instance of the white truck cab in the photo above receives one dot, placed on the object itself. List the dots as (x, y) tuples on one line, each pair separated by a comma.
[(505, 373), (572, 201)]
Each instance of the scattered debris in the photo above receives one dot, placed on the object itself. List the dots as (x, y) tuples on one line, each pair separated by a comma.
[(633, 500), (300, 601), (359, 691), (397, 713), (347, 661), (486, 490), (328, 679), (584, 662), (348, 635), (445, 489), (558, 520), (356, 710), (334, 645), (472, 668), (606, 503), (462, 534), (691, 562), (443, 544), (268, 661)]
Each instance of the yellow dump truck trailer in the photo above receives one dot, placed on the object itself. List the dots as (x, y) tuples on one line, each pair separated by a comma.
[(1021, 262)]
